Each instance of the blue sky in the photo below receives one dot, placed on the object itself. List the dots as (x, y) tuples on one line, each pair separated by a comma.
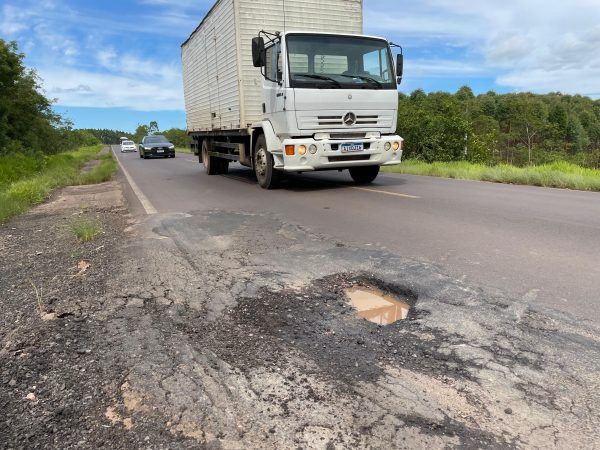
[(115, 64)]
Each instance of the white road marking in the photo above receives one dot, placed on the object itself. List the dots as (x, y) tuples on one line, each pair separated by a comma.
[(378, 191), (148, 207)]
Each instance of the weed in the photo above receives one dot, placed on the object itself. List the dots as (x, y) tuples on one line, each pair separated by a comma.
[(86, 230), (38, 296)]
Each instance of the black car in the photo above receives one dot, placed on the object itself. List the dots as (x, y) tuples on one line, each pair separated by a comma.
[(156, 145)]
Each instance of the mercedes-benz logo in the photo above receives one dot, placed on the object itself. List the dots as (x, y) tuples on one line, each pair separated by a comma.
[(350, 119)]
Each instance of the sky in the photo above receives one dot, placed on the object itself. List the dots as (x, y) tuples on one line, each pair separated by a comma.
[(116, 63)]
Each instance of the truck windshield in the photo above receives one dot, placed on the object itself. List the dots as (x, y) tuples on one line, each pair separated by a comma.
[(156, 140), (339, 62)]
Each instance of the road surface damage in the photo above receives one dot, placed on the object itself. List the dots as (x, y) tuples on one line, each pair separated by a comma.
[(237, 330)]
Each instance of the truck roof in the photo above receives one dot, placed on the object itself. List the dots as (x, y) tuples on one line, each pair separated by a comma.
[(201, 22), (217, 2)]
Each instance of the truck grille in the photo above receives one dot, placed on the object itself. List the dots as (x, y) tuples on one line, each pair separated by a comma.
[(333, 121), (344, 136), (349, 158), (338, 120)]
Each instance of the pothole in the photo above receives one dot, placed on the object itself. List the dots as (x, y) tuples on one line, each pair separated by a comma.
[(376, 306)]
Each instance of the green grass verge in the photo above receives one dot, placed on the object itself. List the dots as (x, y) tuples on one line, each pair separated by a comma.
[(183, 150), (556, 175), (86, 230), (26, 181)]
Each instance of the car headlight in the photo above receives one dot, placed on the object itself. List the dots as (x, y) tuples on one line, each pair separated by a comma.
[(171, 147), (312, 149), (387, 146), (147, 148)]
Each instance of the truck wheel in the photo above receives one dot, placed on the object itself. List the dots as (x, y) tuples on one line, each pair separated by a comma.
[(364, 175), (211, 164), (267, 176), (223, 166)]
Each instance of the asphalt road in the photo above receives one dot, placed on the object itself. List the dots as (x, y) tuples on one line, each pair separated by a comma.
[(538, 244)]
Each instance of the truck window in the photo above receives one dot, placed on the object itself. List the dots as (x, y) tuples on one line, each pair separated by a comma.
[(273, 69), (298, 63), (332, 64), (339, 62), (372, 63)]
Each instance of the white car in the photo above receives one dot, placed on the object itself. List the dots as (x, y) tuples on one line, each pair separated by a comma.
[(128, 146)]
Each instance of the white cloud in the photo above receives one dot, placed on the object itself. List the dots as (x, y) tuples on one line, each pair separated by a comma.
[(73, 87), (89, 72), (536, 45)]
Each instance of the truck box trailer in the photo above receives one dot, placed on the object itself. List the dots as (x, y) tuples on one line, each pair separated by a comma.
[(290, 85)]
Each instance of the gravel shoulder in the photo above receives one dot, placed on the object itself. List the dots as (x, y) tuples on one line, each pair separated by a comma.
[(228, 330)]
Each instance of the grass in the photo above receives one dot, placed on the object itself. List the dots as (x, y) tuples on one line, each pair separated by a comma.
[(38, 297), (183, 150), (557, 175), (86, 230), (26, 181)]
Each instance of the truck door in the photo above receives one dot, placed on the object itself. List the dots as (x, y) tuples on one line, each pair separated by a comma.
[(274, 87)]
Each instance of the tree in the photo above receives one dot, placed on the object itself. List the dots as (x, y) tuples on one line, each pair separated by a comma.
[(140, 132), (178, 137), (153, 127), (27, 121)]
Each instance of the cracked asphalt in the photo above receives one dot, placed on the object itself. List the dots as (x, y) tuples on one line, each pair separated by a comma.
[(214, 328)]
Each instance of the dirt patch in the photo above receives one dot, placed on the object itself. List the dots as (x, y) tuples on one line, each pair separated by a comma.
[(90, 165)]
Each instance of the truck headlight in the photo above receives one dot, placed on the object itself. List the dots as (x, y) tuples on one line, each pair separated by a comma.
[(387, 146), (312, 149), (302, 150), (396, 146)]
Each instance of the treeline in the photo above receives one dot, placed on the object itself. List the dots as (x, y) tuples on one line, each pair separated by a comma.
[(108, 137), (27, 122), (518, 129)]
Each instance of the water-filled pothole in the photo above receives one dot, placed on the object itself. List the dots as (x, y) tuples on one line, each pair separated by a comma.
[(376, 306)]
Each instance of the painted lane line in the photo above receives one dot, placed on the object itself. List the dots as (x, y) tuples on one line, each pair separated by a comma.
[(378, 191), (148, 207)]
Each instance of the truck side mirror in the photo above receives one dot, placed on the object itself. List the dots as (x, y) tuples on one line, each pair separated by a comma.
[(258, 52), (399, 67)]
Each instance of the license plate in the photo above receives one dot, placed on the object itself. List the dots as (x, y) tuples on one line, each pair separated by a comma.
[(354, 147), (160, 151)]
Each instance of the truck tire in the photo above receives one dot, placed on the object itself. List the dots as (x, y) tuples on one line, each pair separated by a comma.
[(223, 166), (364, 175), (211, 164), (267, 176)]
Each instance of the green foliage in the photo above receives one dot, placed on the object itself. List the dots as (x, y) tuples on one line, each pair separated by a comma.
[(27, 122), (518, 129), (178, 137), (86, 230), (140, 132), (558, 174), (107, 137), (27, 180)]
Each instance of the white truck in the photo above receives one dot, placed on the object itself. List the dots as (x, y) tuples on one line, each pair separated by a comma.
[(291, 86)]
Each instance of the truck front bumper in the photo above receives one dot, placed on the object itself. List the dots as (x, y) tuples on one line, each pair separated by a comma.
[(329, 156)]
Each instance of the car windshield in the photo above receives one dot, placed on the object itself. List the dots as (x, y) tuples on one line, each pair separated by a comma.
[(156, 140), (127, 142), (339, 62)]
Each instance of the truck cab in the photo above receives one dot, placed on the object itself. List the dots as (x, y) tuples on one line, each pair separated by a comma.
[(330, 102)]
